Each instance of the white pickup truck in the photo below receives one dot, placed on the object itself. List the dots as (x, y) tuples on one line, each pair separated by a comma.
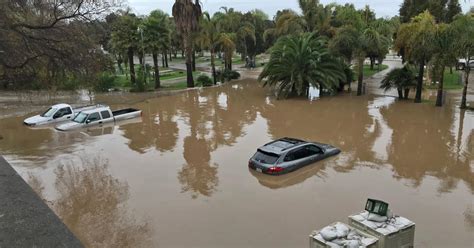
[(56, 114), (97, 117)]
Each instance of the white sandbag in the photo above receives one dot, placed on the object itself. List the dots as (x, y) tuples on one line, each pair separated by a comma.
[(377, 218), (332, 245), (341, 230), (353, 235), (351, 244), (340, 242), (328, 233)]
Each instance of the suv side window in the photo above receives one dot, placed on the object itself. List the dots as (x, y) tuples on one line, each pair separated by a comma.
[(313, 150), (94, 117), (105, 114), (296, 154)]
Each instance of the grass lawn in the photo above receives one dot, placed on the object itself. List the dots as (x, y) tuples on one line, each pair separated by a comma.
[(369, 73), (451, 81)]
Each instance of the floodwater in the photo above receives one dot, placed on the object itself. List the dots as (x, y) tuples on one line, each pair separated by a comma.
[(179, 177)]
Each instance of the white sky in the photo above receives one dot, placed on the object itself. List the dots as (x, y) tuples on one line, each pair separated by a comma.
[(383, 8)]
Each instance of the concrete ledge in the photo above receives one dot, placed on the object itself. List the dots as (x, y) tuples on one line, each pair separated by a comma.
[(25, 220)]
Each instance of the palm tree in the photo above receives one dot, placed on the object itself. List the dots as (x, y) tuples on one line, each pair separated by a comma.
[(187, 14), (463, 29), (209, 38), (227, 44), (300, 61), (417, 41), (444, 43), (124, 37), (157, 37), (402, 79)]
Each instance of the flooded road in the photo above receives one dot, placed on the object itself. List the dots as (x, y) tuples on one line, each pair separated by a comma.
[(179, 177)]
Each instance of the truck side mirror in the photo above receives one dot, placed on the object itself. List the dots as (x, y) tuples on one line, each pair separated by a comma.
[(88, 121)]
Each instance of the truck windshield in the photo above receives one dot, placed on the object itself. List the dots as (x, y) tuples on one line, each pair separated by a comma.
[(80, 118), (50, 112)]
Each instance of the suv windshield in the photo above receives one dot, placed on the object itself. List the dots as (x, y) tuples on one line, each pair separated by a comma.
[(265, 157), (49, 112), (80, 118)]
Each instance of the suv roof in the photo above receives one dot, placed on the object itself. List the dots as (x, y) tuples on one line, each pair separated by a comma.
[(281, 145)]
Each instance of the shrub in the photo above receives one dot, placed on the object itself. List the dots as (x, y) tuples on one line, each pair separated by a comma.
[(105, 82), (205, 80), (228, 75)]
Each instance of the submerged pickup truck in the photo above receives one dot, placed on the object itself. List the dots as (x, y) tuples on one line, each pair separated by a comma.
[(97, 117), (56, 114)]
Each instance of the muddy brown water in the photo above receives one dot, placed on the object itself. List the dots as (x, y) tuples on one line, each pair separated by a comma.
[(178, 177)]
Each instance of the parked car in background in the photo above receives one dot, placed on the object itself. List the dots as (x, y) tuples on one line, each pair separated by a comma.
[(98, 117), (462, 63), (56, 114), (287, 154)]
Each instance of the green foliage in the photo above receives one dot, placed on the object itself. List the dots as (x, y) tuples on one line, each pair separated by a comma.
[(204, 80), (105, 82), (300, 61), (399, 78), (228, 75)]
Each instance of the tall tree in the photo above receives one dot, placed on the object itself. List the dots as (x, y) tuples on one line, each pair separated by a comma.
[(125, 38), (157, 38), (463, 28), (453, 9), (209, 38), (187, 14), (444, 54), (417, 40), (300, 61)]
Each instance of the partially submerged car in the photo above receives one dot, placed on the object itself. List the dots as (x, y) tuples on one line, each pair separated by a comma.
[(56, 114), (98, 117), (287, 154)]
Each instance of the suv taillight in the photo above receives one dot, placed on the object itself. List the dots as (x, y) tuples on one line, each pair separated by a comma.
[(275, 169)]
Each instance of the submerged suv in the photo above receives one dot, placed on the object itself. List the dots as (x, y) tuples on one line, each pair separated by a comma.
[(287, 154)]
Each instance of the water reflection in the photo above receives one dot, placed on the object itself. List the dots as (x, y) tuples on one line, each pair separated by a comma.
[(317, 171), (92, 203), (198, 176), (421, 145)]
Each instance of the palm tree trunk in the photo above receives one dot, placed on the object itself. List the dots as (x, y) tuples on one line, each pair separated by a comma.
[(213, 65), (194, 60), (157, 71), (439, 97), (360, 78), (400, 93), (419, 85), (407, 93), (188, 47), (131, 66), (467, 70)]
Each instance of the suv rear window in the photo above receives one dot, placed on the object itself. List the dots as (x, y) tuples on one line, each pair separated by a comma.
[(265, 157)]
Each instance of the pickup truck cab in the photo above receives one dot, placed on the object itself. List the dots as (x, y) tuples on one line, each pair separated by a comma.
[(56, 114), (462, 64), (98, 117)]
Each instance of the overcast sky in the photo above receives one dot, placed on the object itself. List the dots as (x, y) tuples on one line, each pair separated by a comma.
[(382, 8)]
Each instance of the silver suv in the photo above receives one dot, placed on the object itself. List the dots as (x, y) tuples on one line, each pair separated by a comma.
[(287, 154)]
